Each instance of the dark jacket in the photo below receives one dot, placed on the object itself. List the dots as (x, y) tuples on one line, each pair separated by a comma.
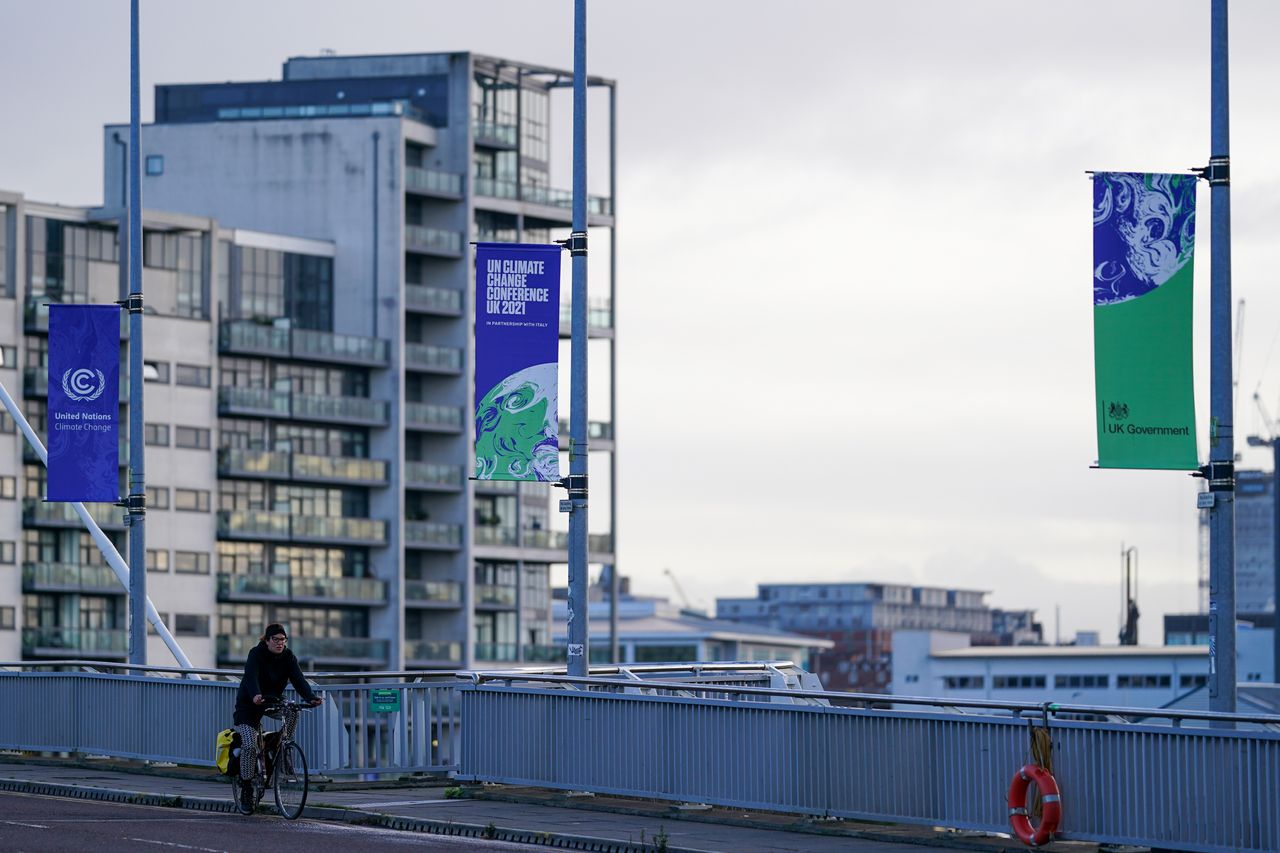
[(267, 673)]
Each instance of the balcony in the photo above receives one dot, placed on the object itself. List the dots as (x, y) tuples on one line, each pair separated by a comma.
[(599, 316), (38, 513), (70, 577), (433, 477), (338, 530), (74, 642), (550, 540), (545, 654), (494, 595), (545, 196), (491, 534), (365, 651), (254, 464), (429, 417), (598, 432), (433, 535), (245, 337), (343, 410), (440, 594), (303, 590), (253, 524), (433, 241), (492, 134), (433, 182), (426, 358), (35, 383), (432, 653), (257, 402), (433, 300), (345, 470), (501, 652)]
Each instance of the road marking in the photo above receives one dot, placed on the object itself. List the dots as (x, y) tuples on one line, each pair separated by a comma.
[(20, 823), (396, 803), (176, 844)]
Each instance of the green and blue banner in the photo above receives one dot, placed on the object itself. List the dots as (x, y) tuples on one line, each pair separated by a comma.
[(517, 361), (84, 403), (1143, 246)]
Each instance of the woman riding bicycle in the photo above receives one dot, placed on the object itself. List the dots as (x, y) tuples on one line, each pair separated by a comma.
[(268, 668)]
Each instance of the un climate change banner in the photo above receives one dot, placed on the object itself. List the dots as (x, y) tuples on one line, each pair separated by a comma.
[(1143, 245), (517, 361), (84, 403)]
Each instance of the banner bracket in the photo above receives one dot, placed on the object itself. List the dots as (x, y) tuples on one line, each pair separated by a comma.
[(576, 244), (575, 485), (1217, 173), (134, 504), (132, 305), (1221, 476)]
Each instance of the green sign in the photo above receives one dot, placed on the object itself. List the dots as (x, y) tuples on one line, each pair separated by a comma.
[(384, 701)]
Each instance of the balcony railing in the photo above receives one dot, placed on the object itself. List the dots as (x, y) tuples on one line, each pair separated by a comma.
[(600, 543), (436, 241), (235, 647), (233, 462), (487, 534), (430, 475), (495, 594), (38, 513), (264, 402), (546, 196), (554, 540), (429, 416), (290, 588), (433, 182), (433, 592), (436, 300), (432, 358), (280, 526), (69, 577), (494, 133), (496, 651), (545, 654), (430, 534), (91, 641), (599, 314), (321, 407), (250, 338), (339, 469), (419, 652)]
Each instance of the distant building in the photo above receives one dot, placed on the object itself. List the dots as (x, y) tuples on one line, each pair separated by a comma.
[(1192, 629), (1255, 545), (860, 619), (945, 664), (653, 630)]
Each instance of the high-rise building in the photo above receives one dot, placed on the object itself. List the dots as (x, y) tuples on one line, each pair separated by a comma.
[(310, 319)]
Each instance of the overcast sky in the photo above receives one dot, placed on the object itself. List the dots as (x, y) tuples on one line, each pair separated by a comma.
[(854, 322)]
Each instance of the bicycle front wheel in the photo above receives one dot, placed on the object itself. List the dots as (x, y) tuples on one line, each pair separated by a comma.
[(290, 776)]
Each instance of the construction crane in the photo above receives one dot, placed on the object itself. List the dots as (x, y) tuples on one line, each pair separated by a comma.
[(684, 599), (1129, 613), (1238, 348)]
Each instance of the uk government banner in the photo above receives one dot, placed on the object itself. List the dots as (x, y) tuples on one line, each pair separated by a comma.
[(1143, 246), (517, 361), (84, 403)]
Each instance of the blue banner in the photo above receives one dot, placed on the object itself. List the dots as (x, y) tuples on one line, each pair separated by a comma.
[(517, 361), (84, 403)]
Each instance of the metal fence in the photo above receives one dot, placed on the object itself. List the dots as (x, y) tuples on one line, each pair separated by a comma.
[(720, 735)]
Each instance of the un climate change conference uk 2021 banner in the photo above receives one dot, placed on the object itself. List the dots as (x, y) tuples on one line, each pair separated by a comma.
[(517, 361), (1143, 246), (84, 403)]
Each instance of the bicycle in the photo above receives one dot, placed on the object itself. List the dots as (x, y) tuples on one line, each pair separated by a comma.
[(283, 768)]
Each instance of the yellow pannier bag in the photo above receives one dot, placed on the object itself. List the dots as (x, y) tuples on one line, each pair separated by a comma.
[(227, 752)]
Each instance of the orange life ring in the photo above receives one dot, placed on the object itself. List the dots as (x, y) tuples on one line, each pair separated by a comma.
[(1051, 813)]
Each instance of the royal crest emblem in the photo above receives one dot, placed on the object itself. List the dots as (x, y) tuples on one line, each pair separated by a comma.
[(1118, 411)]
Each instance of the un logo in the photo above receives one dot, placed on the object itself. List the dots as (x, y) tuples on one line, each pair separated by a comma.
[(1118, 411), (82, 384)]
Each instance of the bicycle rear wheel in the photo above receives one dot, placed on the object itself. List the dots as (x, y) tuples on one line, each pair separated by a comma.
[(290, 777)]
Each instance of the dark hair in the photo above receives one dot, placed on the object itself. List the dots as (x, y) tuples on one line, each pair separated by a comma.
[(271, 630)]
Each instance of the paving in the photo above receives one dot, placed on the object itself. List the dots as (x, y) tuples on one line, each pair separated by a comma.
[(515, 815)]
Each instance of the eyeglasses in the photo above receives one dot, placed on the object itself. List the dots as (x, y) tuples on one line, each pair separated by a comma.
[(278, 638)]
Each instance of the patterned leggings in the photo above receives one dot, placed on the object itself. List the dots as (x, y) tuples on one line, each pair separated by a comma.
[(249, 742)]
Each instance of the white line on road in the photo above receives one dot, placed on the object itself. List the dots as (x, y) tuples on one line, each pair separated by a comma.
[(176, 844), (20, 823), (396, 803)]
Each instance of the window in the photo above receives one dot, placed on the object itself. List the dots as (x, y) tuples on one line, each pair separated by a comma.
[(191, 562), (8, 488), (157, 560), (156, 435), (1080, 681), (964, 682), (191, 500), (156, 371), (155, 164), (192, 374), (6, 423), (157, 497), (1144, 681), (8, 618), (196, 438), (191, 624), (8, 353), (8, 553), (1198, 679), (1017, 682)]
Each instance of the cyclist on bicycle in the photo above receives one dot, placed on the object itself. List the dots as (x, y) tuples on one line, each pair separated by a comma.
[(268, 668)]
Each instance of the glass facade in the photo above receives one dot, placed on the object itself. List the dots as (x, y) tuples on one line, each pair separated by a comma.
[(266, 285)]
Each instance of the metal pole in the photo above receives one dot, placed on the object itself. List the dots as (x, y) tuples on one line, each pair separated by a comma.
[(137, 482), (1275, 556), (1222, 546), (578, 602), (615, 648)]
